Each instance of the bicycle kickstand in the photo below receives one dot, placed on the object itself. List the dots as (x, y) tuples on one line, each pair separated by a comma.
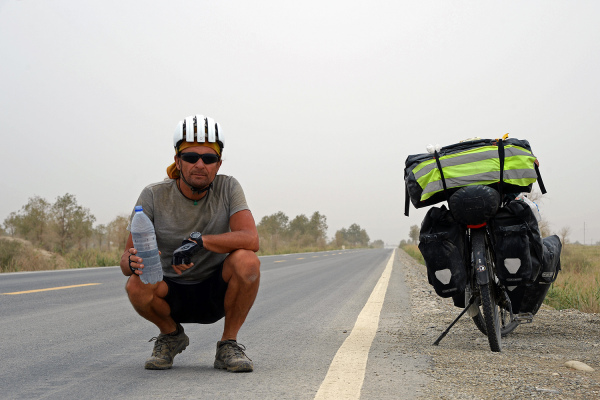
[(439, 339)]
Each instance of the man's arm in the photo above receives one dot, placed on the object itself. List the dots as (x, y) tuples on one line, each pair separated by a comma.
[(243, 235)]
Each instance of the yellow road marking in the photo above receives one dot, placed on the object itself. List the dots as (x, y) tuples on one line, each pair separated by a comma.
[(54, 288), (280, 261), (346, 373), (300, 258)]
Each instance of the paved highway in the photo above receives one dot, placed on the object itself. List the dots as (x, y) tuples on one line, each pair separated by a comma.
[(72, 334)]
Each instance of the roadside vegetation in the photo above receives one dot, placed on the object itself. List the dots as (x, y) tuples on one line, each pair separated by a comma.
[(280, 235), (59, 235), (577, 285)]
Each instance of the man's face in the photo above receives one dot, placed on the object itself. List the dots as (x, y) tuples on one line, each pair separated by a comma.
[(198, 174)]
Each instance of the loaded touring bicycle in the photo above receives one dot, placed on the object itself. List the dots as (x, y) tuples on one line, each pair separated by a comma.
[(484, 250)]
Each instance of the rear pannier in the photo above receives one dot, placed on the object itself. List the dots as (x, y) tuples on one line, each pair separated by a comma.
[(517, 244), (507, 165), (536, 292), (442, 244)]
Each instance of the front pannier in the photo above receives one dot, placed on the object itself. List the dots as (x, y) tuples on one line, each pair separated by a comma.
[(517, 243), (442, 244)]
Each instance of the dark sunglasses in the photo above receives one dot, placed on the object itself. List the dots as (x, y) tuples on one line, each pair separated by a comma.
[(193, 158)]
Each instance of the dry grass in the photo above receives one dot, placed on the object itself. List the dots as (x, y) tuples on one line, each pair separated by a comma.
[(20, 255), (578, 283)]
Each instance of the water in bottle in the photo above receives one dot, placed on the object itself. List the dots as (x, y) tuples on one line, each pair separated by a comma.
[(144, 241)]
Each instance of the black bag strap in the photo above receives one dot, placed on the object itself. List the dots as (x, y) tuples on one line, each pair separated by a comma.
[(439, 165), (539, 178), (501, 158), (406, 200)]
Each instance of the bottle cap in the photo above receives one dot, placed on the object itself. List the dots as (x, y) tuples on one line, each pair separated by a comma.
[(139, 209)]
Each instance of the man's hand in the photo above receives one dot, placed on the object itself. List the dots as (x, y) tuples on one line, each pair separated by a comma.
[(182, 257)]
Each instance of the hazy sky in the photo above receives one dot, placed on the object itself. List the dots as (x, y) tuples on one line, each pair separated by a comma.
[(320, 101)]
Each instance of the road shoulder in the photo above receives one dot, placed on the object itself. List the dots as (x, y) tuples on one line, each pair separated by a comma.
[(395, 370), (403, 363)]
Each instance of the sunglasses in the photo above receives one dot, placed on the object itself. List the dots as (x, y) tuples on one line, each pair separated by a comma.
[(193, 158)]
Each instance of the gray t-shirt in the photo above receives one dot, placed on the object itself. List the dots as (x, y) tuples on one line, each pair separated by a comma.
[(175, 217)]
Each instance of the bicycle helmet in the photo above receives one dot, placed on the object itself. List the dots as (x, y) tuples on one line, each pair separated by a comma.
[(200, 129)]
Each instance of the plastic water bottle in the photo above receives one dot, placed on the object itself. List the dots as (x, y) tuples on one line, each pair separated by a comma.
[(144, 241)]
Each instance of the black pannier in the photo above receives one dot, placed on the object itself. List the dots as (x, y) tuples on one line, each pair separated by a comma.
[(536, 292), (517, 243), (442, 244)]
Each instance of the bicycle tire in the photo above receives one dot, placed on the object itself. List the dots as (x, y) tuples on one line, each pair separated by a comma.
[(489, 301), (506, 326)]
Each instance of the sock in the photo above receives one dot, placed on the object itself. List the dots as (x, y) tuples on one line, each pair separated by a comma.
[(176, 332)]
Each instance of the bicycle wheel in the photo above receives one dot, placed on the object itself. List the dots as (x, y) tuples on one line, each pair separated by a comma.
[(506, 325), (487, 291)]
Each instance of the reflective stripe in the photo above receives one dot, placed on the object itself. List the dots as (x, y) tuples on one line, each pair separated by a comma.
[(519, 177), (469, 156), (489, 165)]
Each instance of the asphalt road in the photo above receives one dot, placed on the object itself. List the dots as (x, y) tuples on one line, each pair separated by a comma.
[(87, 342)]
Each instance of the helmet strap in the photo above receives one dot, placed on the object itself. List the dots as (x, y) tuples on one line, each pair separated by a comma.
[(194, 189)]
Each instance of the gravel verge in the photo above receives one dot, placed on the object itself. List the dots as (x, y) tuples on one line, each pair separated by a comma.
[(532, 361)]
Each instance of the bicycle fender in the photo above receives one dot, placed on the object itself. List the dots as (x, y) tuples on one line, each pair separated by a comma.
[(481, 271)]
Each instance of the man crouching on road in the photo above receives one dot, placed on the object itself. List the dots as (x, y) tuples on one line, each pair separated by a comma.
[(215, 272)]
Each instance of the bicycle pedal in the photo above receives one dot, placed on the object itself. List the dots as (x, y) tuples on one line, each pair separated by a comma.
[(524, 318)]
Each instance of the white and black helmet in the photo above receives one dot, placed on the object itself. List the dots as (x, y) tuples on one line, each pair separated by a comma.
[(210, 131)]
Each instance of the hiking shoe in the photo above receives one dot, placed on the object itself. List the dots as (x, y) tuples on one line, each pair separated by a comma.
[(166, 348), (231, 356)]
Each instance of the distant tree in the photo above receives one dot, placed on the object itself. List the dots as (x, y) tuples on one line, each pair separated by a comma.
[(403, 243), (414, 233), (273, 230), (72, 222), (378, 244), (340, 237), (299, 225), (318, 228), (35, 219), (101, 235), (11, 223), (544, 226), (117, 232), (564, 233), (30, 222), (275, 224), (354, 236), (277, 232)]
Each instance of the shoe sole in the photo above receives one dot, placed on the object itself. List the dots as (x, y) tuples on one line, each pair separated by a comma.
[(152, 365), (245, 367)]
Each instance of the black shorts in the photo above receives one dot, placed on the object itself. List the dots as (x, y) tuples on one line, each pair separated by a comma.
[(201, 303)]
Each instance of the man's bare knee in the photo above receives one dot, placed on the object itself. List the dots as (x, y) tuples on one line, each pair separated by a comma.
[(140, 293), (244, 265)]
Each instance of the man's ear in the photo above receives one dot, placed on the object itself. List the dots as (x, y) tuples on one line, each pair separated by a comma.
[(177, 162)]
